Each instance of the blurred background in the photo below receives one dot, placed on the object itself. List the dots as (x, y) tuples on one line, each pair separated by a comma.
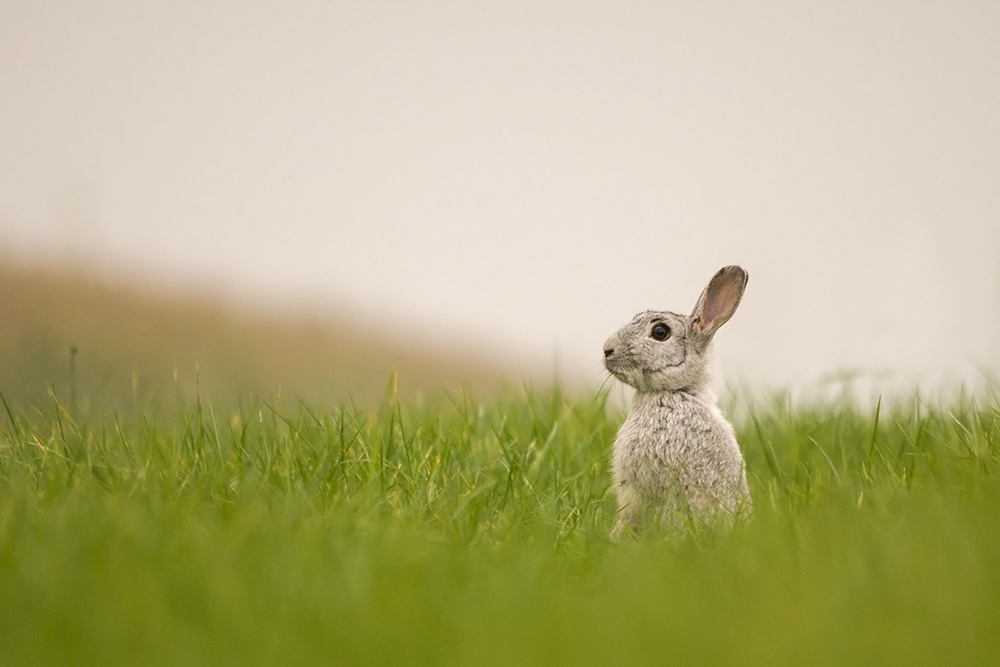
[(311, 194)]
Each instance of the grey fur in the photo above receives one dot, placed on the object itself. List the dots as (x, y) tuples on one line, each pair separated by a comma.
[(676, 461)]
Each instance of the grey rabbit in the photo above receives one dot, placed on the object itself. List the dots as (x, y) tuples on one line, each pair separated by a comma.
[(676, 461)]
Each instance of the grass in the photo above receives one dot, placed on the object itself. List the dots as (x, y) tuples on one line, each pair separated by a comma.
[(451, 532)]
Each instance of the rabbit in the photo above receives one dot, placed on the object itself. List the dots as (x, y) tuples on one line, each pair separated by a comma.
[(676, 462)]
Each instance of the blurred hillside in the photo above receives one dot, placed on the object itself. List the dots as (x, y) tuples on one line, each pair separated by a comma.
[(137, 346)]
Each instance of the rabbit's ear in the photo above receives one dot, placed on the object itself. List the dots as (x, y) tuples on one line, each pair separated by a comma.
[(718, 302)]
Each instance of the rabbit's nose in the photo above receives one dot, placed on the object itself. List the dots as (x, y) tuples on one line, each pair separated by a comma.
[(608, 351)]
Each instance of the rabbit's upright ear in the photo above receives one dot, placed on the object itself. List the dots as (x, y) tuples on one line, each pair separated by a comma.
[(718, 303)]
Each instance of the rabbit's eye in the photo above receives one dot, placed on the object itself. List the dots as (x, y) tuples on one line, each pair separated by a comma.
[(660, 331)]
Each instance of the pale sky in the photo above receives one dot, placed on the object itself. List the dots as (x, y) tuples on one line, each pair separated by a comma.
[(527, 176)]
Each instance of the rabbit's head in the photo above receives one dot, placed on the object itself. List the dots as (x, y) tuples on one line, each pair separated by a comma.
[(664, 351)]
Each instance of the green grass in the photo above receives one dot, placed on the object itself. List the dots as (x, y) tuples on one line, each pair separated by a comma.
[(452, 532)]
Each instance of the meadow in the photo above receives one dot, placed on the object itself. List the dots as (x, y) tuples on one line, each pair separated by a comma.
[(182, 483), (448, 530)]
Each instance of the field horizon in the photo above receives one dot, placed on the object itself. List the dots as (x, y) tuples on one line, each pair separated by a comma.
[(69, 329)]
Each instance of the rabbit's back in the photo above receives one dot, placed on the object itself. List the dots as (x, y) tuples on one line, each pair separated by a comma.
[(676, 458)]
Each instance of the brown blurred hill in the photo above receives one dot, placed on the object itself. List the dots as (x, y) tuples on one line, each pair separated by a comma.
[(138, 346)]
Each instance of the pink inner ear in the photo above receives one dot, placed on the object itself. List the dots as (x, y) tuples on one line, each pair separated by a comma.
[(719, 303)]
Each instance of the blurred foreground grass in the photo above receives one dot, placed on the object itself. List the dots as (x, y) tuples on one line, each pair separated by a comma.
[(450, 531)]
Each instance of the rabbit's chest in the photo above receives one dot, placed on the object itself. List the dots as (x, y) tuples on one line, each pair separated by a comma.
[(664, 432), (649, 441)]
